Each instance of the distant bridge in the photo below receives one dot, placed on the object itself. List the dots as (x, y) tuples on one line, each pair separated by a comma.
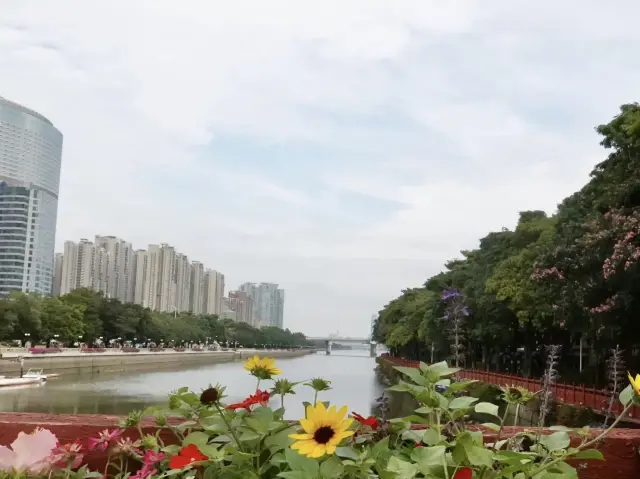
[(328, 341), (339, 339)]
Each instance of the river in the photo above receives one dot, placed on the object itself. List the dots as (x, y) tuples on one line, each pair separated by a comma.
[(351, 373)]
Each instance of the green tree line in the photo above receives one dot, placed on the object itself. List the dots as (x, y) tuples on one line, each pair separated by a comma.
[(84, 315), (572, 279)]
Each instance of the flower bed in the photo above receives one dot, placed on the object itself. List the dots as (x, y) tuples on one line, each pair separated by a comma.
[(92, 350), (156, 350), (196, 348), (251, 438), (44, 350), (179, 350), (129, 350)]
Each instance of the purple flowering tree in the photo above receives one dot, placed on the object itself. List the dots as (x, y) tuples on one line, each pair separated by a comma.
[(455, 316)]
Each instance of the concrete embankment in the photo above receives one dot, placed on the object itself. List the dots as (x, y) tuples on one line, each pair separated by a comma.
[(76, 362)]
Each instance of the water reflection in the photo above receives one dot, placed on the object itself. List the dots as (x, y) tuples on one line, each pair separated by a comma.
[(352, 375)]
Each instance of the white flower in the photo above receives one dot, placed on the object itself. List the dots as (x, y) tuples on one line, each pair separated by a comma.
[(29, 452)]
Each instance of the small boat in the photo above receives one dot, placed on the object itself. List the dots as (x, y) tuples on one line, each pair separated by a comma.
[(36, 374), (5, 381)]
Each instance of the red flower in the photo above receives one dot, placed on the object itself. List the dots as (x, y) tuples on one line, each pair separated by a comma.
[(419, 444), (464, 473), (105, 439), (67, 455), (371, 421), (260, 397), (187, 456)]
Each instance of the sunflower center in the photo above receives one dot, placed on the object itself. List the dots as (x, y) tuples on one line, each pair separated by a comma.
[(323, 434)]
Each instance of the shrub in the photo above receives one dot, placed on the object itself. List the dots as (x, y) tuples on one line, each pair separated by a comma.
[(128, 349), (92, 350)]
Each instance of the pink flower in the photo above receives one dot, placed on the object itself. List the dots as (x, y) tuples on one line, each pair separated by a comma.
[(149, 463), (105, 439), (67, 456), (29, 453)]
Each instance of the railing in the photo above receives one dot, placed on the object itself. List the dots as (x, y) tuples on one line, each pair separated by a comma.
[(577, 395)]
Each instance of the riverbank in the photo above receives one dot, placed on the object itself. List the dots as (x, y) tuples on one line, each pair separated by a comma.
[(75, 362)]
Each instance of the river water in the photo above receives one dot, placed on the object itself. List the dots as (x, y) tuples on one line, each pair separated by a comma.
[(353, 380)]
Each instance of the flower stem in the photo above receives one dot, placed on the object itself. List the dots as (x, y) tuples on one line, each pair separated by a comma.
[(231, 431)]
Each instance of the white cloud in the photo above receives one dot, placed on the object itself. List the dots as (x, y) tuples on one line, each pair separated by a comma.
[(462, 113)]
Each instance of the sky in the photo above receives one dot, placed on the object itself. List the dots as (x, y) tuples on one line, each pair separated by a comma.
[(342, 149)]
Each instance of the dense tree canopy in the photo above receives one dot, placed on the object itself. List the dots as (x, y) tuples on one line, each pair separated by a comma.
[(566, 279), (84, 316)]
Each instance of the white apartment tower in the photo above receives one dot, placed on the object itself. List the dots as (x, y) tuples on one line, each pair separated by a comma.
[(119, 267), (84, 266), (213, 292), (57, 274), (196, 292), (160, 290), (183, 282), (140, 277)]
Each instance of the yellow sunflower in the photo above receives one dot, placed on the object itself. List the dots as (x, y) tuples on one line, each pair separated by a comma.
[(323, 430), (635, 383), (262, 368)]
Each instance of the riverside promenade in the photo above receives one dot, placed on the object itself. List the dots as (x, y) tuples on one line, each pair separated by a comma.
[(74, 361)]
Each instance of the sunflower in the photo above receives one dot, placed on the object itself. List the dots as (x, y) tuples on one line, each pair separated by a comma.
[(635, 383), (262, 368), (323, 430)]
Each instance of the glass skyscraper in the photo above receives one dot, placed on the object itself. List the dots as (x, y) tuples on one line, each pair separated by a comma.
[(30, 156)]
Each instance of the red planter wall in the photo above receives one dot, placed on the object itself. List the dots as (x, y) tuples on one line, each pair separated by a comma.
[(620, 448)]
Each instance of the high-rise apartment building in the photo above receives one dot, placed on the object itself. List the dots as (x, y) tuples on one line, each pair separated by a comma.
[(57, 274), (279, 313), (118, 268), (213, 292), (161, 287), (30, 157), (183, 282), (242, 304), (140, 277), (85, 265), (252, 291), (267, 304), (196, 293)]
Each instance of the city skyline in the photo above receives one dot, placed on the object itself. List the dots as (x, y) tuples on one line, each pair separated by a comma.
[(162, 279), (366, 149)]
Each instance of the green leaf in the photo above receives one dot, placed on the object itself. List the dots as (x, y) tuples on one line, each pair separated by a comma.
[(428, 456), (413, 373), (424, 410), (298, 462), (460, 385), (402, 469), (431, 437), (416, 419), (468, 449), (556, 441), (250, 436), (198, 438), (401, 387), (442, 369), (487, 408), (380, 447), (490, 425), (462, 402), (346, 452), (412, 435), (293, 475), (626, 396), (331, 468), (588, 454)]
